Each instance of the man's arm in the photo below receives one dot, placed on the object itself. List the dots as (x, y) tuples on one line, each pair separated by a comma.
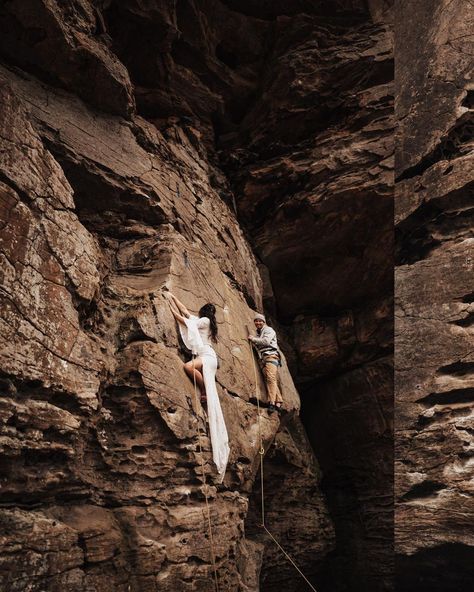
[(266, 337)]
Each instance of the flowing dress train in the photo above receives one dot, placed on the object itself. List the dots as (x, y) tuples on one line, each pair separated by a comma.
[(196, 335)]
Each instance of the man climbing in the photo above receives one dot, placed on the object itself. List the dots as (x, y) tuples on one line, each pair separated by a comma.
[(266, 344)]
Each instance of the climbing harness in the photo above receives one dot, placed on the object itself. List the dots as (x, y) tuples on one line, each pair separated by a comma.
[(208, 509), (262, 490)]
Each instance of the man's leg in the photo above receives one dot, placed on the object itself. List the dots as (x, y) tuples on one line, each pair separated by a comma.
[(270, 372), (278, 397)]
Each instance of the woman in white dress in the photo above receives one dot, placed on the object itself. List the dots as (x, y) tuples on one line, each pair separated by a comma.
[(196, 333)]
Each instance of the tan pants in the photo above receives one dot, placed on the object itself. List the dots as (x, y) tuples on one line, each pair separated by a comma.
[(270, 373)]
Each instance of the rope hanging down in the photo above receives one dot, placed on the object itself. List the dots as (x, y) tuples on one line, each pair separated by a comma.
[(208, 510), (262, 453), (262, 489)]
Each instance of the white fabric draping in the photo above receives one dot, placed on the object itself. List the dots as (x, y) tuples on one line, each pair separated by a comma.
[(195, 336)]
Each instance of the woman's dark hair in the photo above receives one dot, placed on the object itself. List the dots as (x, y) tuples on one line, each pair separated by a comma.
[(209, 311)]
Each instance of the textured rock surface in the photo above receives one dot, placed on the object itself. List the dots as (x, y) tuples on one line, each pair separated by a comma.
[(434, 314), (101, 482), (133, 132), (315, 190), (64, 42), (289, 475)]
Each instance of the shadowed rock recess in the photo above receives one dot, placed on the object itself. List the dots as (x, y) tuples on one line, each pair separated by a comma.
[(435, 298), (238, 152)]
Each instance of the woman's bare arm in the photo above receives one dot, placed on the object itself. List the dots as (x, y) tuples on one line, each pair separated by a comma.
[(175, 312), (180, 306)]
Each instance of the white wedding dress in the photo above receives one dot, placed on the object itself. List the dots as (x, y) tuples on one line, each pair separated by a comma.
[(196, 334)]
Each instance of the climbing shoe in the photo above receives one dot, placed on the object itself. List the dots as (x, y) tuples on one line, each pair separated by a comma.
[(271, 408)]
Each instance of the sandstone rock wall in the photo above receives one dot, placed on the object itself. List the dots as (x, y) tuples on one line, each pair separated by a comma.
[(434, 539), (102, 212), (315, 189), (242, 153)]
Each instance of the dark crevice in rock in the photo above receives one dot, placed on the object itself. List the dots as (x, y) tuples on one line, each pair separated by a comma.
[(103, 204), (468, 298), (280, 477), (131, 332), (467, 321), (226, 57), (89, 315), (132, 202), (468, 100), (344, 366), (422, 490), (458, 368), (242, 288), (24, 196), (348, 419), (452, 397), (455, 143), (24, 390), (446, 218)]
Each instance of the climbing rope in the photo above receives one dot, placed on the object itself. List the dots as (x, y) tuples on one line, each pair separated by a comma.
[(208, 509), (262, 489), (262, 449)]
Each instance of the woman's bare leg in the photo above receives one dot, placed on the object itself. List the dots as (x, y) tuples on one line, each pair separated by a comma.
[(194, 371)]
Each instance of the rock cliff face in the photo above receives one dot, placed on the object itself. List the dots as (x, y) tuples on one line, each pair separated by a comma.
[(314, 188), (434, 314), (102, 211), (143, 144)]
